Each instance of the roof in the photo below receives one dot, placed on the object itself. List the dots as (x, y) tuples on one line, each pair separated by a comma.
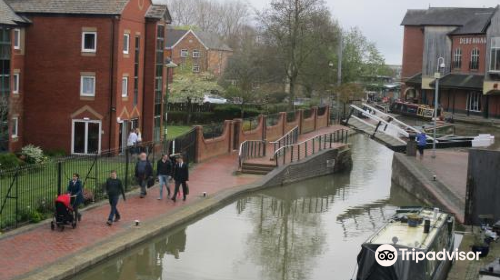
[(415, 80), (461, 81), (209, 40), (159, 12), (471, 20), (8, 16), (96, 7)]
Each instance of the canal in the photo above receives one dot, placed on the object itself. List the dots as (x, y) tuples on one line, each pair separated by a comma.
[(308, 230)]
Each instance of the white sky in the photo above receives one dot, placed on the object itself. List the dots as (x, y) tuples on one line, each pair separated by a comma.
[(380, 20)]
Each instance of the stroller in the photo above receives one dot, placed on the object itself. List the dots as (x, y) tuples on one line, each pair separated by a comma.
[(64, 214)]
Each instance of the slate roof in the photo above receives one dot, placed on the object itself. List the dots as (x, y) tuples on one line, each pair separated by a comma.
[(94, 7), (415, 80), (461, 81), (8, 16), (159, 12), (210, 40), (469, 20)]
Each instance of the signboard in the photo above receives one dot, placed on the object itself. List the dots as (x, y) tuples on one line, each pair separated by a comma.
[(472, 40)]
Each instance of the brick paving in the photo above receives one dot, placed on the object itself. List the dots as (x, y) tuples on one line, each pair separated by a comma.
[(30, 250)]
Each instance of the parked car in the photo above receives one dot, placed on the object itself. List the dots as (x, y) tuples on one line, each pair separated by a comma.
[(214, 99)]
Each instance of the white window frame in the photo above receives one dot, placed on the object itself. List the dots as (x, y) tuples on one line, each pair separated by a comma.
[(15, 80), (474, 58), (457, 58), (126, 43), (495, 45), (94, 50), (82, 77), (474, 96), (17, 39), (196, 68), (86, 135), (184, 53), (125, 86), (15, 126), (196, 53)]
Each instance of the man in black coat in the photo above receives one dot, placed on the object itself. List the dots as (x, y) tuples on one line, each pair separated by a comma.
[(181, 176), (143, 172)]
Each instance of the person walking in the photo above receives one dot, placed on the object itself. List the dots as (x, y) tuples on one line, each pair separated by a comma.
[(181, 176), (132, 142), (114, 188), (164, 171), (75, 190), (421, 143), (143, 172), (139, 146)]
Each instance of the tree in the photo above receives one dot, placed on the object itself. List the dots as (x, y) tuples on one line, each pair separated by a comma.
[(296, 28)]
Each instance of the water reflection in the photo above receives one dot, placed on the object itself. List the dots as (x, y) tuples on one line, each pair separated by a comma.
[(309, 230)]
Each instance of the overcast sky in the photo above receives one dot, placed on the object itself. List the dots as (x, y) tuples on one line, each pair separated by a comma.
[(380, 20)]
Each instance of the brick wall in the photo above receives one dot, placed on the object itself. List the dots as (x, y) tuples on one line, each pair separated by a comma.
[(276, 131), (217, 61), (190, 43), (309, 124), (214, 147), (16, 108), (467, 53)]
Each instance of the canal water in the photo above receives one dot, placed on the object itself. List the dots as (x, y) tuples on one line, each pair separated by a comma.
[(308, 230)]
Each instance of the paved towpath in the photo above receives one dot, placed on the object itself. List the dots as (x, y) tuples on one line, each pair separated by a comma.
[(27, 251)]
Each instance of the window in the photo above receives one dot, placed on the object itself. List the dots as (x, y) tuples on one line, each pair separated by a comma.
[(495, 55), (160, 60), (474, 102), (87, 86), (14, 129), (86, 138), (17, 39), (196, 53), (89, 42), (184, 53), (196, 68), (124, 86), (136, 68), (457, 58), (15, 83), (474, 60), (126, 43)]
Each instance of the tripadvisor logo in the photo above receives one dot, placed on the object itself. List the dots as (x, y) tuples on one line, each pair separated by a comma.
[(386, 255)]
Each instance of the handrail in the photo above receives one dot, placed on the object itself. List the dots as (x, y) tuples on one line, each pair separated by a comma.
[(377, 118), (341, 134), (393, 119), (251, 149), (290, 137)]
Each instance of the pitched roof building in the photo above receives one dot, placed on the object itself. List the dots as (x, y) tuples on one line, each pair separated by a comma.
[(468, 41), (80, 74), (202, 51)]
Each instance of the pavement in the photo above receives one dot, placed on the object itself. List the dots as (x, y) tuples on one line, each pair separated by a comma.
[(37, 252)]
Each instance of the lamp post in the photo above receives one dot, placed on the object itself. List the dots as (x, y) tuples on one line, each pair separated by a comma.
[(331, 65), (437, 76), (168, 64)]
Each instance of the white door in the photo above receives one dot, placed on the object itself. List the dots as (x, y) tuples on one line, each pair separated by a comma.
[(86, 137)]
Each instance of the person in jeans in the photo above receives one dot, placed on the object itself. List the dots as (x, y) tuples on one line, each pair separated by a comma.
[(181, 176), (75, 189), (114, 189), (164, 171), (143, 172)]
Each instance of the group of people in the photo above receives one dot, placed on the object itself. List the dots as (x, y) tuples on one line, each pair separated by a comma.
[(134, 140), (167, 167)]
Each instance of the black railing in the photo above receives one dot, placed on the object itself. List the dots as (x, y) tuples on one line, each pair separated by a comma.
[(272, 120), (298, 151), (213, 130), (27, 193), (291, 116), (307, 113), (288, 139), (251, 149), (249, 124)]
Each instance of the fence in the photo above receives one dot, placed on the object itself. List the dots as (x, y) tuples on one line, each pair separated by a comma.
[(28, 192), (288, 139), (251, 149), (295, 152), (213, 130), (250, 124)]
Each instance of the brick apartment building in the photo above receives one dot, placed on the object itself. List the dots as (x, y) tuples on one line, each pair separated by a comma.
[(469, 41), (79, 74), (202, 51)]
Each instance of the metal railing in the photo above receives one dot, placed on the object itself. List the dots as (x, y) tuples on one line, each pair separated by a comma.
[(291, 137), (311, 146), (251, 149)]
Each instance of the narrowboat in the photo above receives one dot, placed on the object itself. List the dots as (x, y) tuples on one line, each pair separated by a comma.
[(413, 110), (411, 228)]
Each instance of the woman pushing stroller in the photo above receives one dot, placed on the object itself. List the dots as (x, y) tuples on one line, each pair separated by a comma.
[(75, 189)]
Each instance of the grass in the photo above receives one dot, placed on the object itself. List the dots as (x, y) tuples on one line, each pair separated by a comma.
[(177, 130)]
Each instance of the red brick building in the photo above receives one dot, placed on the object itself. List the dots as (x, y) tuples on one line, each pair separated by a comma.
[(85, 72), (202, 51), (468, 39)]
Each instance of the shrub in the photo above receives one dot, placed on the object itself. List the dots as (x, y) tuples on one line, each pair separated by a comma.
[(56, 153), (8, 161), (88, 196), (33, 154), (36, 217)]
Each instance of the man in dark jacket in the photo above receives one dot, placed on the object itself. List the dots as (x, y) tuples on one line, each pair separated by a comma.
[(164, 171), (181, 176), (114, 188), (143, 172), (75, 189)]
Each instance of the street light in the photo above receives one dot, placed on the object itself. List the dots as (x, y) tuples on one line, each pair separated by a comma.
[(168, 64), (437, 76)]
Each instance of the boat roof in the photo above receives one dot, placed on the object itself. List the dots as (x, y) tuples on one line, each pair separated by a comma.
[(412, 237)]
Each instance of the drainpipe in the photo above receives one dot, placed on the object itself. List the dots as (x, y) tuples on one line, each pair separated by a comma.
[(112, 109)]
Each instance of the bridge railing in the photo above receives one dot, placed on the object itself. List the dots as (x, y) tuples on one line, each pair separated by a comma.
[(251, 149), (383, 125), (311, 146), (291, 137)]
